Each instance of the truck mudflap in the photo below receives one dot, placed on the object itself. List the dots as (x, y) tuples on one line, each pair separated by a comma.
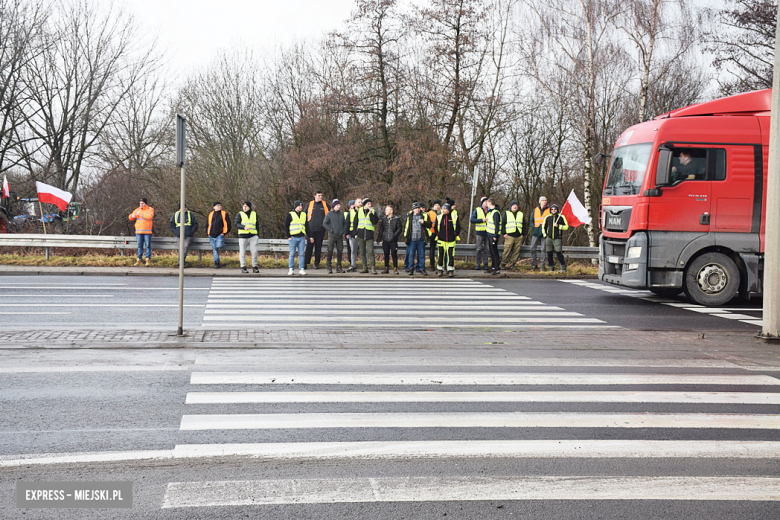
[(624, 262)]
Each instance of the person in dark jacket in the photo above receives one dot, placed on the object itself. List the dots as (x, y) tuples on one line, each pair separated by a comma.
[(447, 230), (336, 225), (218, 227), (297, 229), (316, 211), (365, 223), (432, 214), (494, 233), (190, 228), (512, 230), (537, 237), (554, 226), (352, 223), (416, 229), (388, 233), (479, 218)]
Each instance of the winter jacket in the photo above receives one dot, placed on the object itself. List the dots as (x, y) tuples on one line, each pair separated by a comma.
[(188, 230), (548, 228), (389, 229), (336, 223), (315, 214), (445, 230), (288, 221), (217, 226)]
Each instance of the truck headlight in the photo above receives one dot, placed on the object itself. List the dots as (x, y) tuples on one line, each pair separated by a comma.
[(634, 252), (631, 267)]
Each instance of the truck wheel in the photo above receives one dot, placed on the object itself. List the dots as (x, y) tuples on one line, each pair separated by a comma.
[(712, 279), (666, 292)]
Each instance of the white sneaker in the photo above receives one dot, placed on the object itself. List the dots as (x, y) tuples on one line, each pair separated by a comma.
[(301, 271), (290, 272)]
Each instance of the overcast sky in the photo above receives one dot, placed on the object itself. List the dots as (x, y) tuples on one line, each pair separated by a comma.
[(192, 31)]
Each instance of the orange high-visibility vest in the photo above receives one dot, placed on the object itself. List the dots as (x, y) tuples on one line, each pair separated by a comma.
[(143, 220), (539, 216), (224, 222), (311, 209)]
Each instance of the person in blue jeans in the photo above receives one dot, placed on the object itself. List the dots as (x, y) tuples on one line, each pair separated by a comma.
[(416, 230), (296, 225), (218, 227)]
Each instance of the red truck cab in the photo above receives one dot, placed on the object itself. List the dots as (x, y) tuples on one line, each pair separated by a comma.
[(683, 207)]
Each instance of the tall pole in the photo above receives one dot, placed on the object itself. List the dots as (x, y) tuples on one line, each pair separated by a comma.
[(473, 193), (181, 123), (771, 322)]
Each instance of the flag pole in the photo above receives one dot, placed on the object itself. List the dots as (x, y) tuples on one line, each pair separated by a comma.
[(43, 220)]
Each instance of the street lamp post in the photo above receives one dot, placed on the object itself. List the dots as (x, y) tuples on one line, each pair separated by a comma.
[(181, 130)]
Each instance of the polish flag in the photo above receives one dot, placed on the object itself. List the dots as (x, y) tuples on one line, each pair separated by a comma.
[(6, 188), (53, 195), (575, 213)]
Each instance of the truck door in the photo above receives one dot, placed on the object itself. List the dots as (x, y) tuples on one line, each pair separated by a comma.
[(733, 188), (684, 205)]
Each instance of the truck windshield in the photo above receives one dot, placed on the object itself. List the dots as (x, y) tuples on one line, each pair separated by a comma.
[(627, 171)]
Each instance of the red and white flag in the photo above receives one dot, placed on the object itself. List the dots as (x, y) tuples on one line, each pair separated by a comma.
[(53, 195), (6, 188), (575, 213)]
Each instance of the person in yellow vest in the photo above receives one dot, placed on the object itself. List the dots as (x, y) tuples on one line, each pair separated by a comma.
[(367, 222), (537, 237), (246, 224), (143, 216), (218, 227), (553, 227), (479, 218), (297, 228), (512, 229), (352, 224), (447, 230), (494, 233), (315, 215), (190, 228), (432, 214)]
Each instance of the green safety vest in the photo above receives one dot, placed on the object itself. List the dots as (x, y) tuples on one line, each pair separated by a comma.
[(250, 221), (189, 219), (481, 226), (352, 213), (364, 221), (513, 224), (491, 224), (454, 216), (298, 224)]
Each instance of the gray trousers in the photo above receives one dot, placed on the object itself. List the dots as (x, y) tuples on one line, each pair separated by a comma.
[(252, 243), (482, 250), (535, 241), (367, 253), (353, 244), (336, 242)]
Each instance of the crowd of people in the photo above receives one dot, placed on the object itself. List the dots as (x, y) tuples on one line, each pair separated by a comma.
[(359, 226)]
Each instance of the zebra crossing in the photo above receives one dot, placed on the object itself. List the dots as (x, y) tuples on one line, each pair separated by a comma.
[(352, 302), (427, 407)]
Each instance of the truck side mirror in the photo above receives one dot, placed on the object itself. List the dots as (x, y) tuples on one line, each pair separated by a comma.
[(663, 169)]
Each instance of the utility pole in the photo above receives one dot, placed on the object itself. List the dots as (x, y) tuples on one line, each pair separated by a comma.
[(181, 140), (473, 194), (771, 322)]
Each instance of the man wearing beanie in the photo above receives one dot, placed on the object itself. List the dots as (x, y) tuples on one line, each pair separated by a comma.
[(316, 211), (218, 227), (479, 217), (432, 214), (537, 236), (367, 222), (512, 229), (494, 233), (416, 228), (297, 228), (336, 225), (352, 234), (246, 223), (347, 216), (447, 231)]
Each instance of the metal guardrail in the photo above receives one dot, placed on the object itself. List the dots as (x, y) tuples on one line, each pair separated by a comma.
[(265, 245)]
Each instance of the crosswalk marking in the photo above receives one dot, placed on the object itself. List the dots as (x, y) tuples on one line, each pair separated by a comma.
[(382, 303), (466, 378), (483, 397), (433, 488)]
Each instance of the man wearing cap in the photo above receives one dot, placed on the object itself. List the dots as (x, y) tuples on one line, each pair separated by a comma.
[(218, 227), (296, 226), (316, 211), (352, 234), (416, 225), (553, 227), (246, 223), (367, 221), (190, 228), (494, 233), (512, 229), (432, 214), (447, 230), (539, 214), (479, 217), (143, 216), (336, 224)]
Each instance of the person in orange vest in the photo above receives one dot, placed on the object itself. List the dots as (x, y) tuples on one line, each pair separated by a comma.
[(315, 216), (537, 220), (143, 216), (218, 227)]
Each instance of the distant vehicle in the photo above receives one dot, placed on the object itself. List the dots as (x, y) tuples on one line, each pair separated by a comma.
[(683, 207), (20, 215)]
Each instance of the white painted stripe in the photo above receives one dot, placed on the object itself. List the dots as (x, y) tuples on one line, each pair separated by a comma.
[(468, 488), (602, 449), (389, 313), (112, 305), (384, 318), (88, 287), (36, 295), (735, 316), (92, 368), (34, 313), (391, 297), (760, 323), (466, 378), (272, 421), (332, 295), (608, 449), (483, 397), (220, 304), (687, 306), (47, 285), (346, 324), (720, 310)]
